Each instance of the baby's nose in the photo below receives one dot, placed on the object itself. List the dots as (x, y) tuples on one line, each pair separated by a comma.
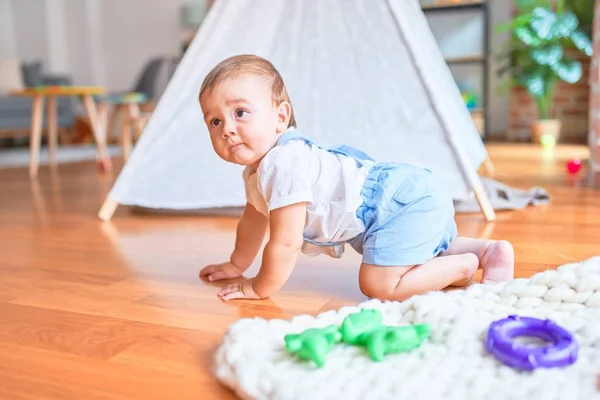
[(228, 130), (227, 134)]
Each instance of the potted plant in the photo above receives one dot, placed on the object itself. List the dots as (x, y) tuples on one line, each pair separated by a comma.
[(535, 56)]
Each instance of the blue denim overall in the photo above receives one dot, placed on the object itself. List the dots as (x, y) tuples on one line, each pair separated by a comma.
[(407, 215)]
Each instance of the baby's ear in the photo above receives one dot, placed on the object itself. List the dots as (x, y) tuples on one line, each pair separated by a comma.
[(284, 112)]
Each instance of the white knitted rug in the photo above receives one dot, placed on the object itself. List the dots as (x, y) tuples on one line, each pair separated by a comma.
[(451, 364)]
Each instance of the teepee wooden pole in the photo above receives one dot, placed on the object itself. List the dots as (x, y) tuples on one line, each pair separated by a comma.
[(473, 181), (108, 209), (484, 202), (489, 166)]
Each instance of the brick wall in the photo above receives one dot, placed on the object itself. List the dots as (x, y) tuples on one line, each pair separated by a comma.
[(571, 105), (594, 101)]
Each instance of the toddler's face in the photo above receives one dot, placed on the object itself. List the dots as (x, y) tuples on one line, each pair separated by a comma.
[(242, 120)]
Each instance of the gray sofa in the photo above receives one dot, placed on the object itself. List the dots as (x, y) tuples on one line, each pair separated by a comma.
[(15, 112)]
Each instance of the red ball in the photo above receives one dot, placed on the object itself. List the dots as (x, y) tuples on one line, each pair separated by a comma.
[(574, 165)]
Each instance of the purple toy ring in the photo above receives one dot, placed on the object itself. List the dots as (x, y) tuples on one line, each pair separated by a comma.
[(500, 342)]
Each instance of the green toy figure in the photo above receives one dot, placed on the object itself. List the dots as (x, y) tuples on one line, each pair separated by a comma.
[(313, 344), (358, 324), (363, 328), (393, 339)]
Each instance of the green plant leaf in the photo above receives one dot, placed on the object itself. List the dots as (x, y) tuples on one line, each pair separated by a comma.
[(542, 21), (527, 36), (548, 26), (547, 55), (534, 83), (583, 42), (543, 107), (565, 25), (568, 70)]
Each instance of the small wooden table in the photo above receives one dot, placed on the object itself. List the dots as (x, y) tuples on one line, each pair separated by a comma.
[(128, 108), (52, 92)]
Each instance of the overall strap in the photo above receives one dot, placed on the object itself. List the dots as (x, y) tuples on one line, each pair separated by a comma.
[(346, 150), (292, 134), (352, 152)]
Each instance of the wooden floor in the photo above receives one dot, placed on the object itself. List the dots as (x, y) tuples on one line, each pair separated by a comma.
[(116, 311)]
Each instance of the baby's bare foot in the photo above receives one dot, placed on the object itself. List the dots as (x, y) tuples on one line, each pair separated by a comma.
[(498, 262)]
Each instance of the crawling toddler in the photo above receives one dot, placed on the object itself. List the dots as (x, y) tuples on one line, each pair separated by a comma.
[(316, 199)]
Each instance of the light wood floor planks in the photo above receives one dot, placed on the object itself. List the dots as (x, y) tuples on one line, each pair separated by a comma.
[(116, 311)]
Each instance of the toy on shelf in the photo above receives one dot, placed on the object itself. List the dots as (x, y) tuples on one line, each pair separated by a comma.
[(501, 343), (313, 344), (363, 328), (470, 99), (573, 165)]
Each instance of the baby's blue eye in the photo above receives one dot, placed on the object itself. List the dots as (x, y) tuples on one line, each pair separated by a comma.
[(240, 113)]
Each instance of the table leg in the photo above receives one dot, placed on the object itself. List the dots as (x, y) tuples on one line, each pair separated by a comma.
[(126, 139), (132, 117), (103, 119), (115, 114), (90, 108), (52, 129), (37, 115), (136, 115)]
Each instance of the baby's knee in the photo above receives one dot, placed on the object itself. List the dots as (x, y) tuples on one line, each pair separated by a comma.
[(469, 266), (505, 246)]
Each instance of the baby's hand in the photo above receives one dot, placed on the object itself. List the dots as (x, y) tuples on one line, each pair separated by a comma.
[(217, 272), (239, 290)]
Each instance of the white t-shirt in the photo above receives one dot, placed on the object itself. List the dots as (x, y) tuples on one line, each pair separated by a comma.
[(330, 183)]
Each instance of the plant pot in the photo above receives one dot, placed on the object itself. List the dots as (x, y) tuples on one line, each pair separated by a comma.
[(543, 127)]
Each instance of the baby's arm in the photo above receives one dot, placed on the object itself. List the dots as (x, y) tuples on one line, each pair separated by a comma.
[(250, 233), (279, 256), (284, 180)]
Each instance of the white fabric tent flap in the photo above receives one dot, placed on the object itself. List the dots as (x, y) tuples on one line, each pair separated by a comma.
[(361, 72)]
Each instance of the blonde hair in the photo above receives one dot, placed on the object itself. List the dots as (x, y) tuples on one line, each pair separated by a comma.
[(251, 65)]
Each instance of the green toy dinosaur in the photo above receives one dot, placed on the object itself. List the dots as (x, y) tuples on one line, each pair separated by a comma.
[(363, 328), (358, 324), (313, 344), (393, 339)]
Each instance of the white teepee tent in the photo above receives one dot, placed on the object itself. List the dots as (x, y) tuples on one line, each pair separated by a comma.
[(367, 73)]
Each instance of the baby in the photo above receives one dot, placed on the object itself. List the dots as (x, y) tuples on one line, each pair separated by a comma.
[(315, 199)]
